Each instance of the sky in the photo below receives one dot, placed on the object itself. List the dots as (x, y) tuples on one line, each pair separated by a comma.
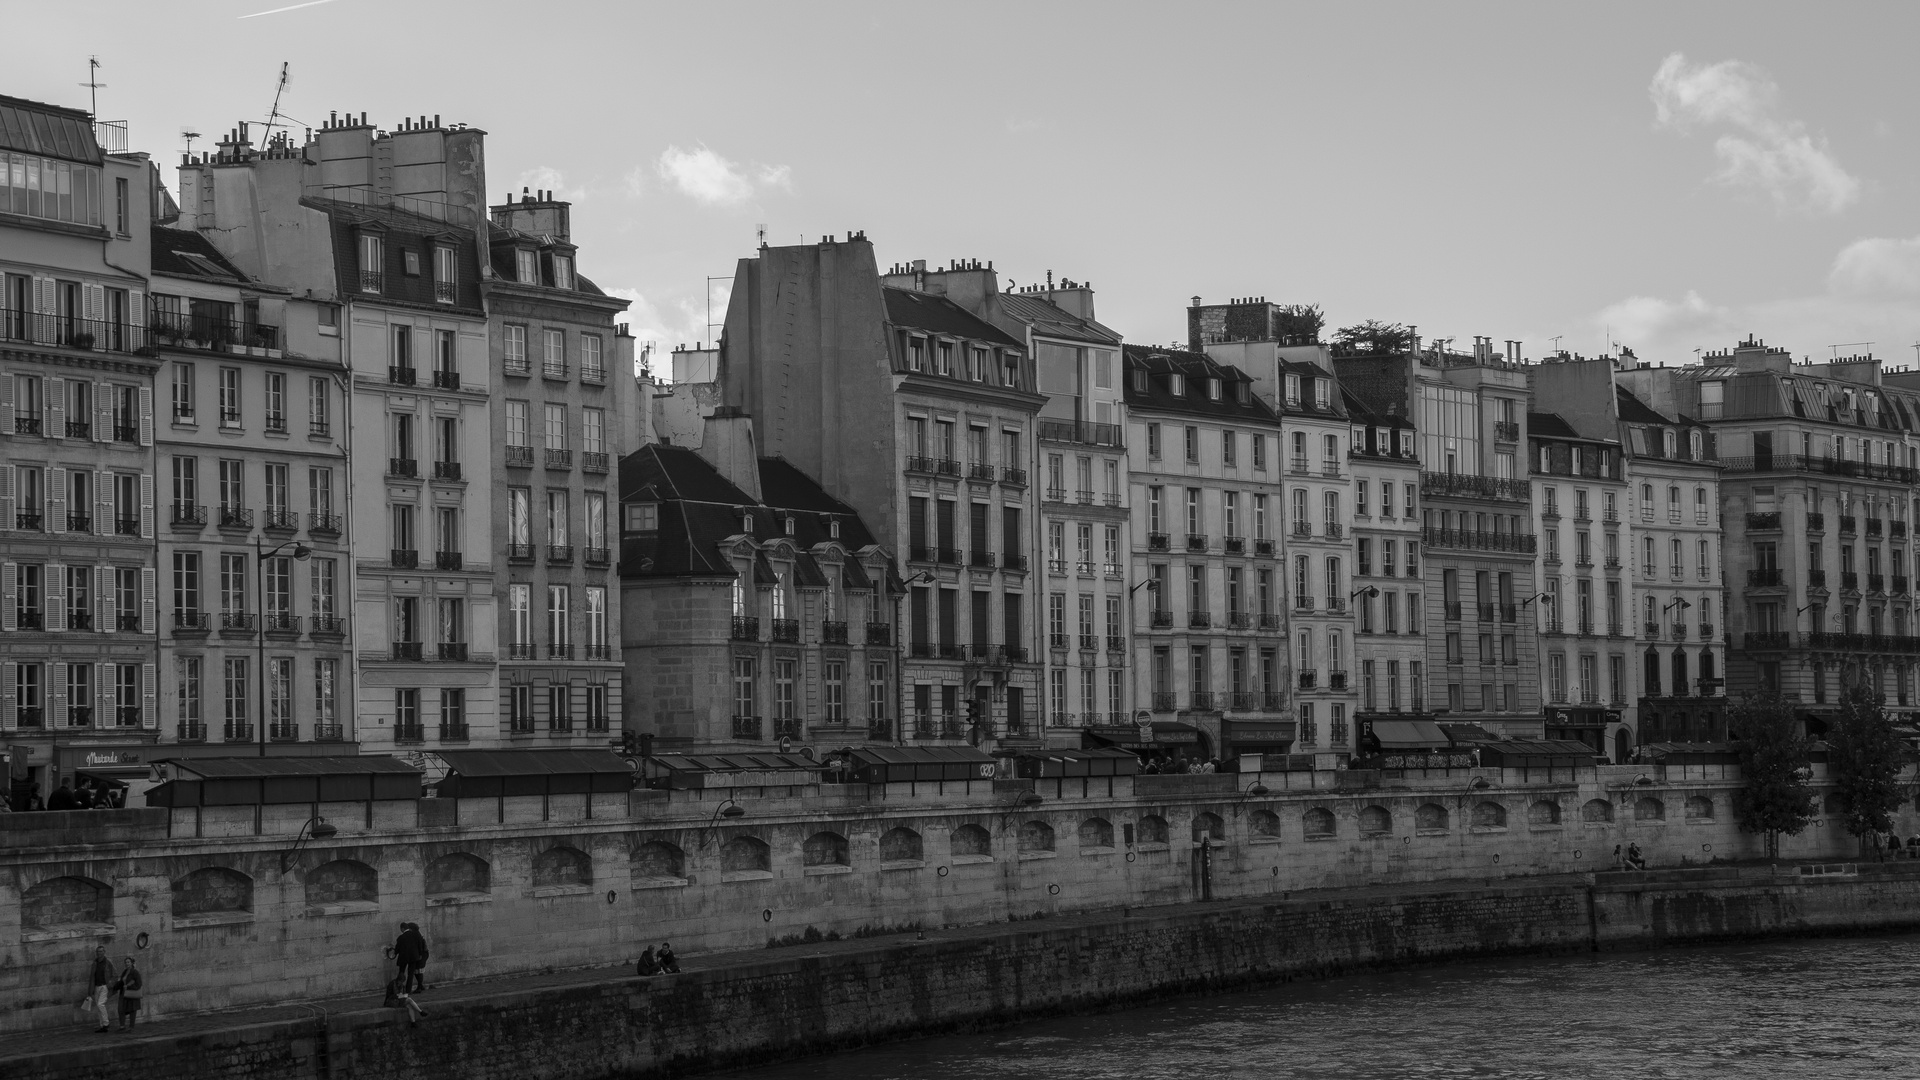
[(1669, 177)]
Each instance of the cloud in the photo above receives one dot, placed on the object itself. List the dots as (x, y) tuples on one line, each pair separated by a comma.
[(679, 321), (1762, 151), (706, 177), (1872, 294), (551, 179)]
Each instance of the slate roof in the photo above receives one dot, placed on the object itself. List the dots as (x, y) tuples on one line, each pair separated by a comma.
[(1550, 426), (1197, 367), (1051, 320), (1358, 412), (32, 127), (939, 315), (187, 254), (700, 509), (403, 231), (501, 255)]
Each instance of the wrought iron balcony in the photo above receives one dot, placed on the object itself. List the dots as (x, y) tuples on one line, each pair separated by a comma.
[(405, 467), (280, 622), (448, 560), (519, 457), (879, 633), (1263, 547), (520, 553), (454, 651), (1308, 678), (80, 523), (1162, 619), (403, 558), (596, 556), (326, 624), (560, 650), (407, 650), (319, 524), (596, 652), (1012, 476), (279, 520), (446, 380), (1164, 701), (1767, 578), (401, 376), (746, 727), (745, 628), (1196, 543), (446, 470), (833, 632), (559, 554), (1764, 522)]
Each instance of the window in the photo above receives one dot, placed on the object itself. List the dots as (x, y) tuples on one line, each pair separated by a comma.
[(559, 626), (526, 266), (515, 342), (517, 424), (1153, 442), (233, 583), (188, 673), (1227, 441), (596, 618), (323, 581), (186, 582), (229, 397), (183, 393), (234, 687), (557, 517), (1260, 517), (1259, 451), (554, 351), (556, 428), (1193, 444), (878, 703), (372, 262)]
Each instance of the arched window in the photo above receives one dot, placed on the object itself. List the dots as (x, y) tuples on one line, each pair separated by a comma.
[(825, 849), (1649, 809), (1035, 836), (216, 890), (1305, 652), (1430, 818), (1699, 808), (1153, 830), (1375, 821), (61, 902), (1207, 826), (562, 865), (1596, 811), (1299, 507), (1332, 501), (1096, 834), (658, 863), (971, 841), (453, 874), (1489, 815), (901, 845), (1544, 812), (1318, 824), (746, 855), (1301, 593), (1263, 826), (1300, 452), (1646, 499)]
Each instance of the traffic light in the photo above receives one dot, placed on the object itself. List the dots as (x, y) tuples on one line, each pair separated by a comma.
[(629, 743), (976, 713)]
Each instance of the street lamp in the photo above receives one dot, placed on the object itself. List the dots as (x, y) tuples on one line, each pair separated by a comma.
[(727, 809), (900, 654), (315, 828), (300, 552)]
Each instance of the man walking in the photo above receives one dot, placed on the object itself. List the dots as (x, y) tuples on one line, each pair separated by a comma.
[(99, 977), (410, 955)]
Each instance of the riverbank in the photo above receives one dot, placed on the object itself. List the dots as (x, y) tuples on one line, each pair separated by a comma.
[(741, 1007)]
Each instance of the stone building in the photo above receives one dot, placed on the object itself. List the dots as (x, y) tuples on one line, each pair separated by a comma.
[(1210, 646), (759, 610), (382, 228), (1579, 487), (817, 350), (1081, 483), (78, 589), (1388, 643), (253, 467), (1816, 510), (1469, 412), (561, 416)]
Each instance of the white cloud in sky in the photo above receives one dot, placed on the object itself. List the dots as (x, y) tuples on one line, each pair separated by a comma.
[(679, 321), (706, 177), (1872, 294), (1757, 149)]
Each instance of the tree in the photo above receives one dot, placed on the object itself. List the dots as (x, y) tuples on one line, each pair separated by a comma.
[(1299, 322), (1774, 797), (1372, 337), (1864, 759)]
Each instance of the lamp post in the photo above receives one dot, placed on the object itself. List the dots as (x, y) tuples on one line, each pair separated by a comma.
[(300, 552), (727, 809), (1152, 585), (900, 662)]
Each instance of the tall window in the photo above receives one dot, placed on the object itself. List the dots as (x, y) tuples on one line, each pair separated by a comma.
[(558, 624), (277, 490), (593, 431), (519, 516), (324, 581), (519, 615), (277, 581), (183, 393), (517, 429), (186, 583), (233, 583), (596, 519), (596, 619), (235, 693), (556, 518), (186, 483), (280, 693), (743, 686), (188, 673), (276, 401), (590, 363), (556, 427), (879, 707), (233, 495), (229, 397), (320, 495)]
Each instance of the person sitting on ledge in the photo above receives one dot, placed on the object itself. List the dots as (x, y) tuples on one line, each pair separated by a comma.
[(648, 965), (1635, 861), (668, 962)]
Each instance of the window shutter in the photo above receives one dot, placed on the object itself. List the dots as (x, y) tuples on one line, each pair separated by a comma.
[(136, 312), (56, 592), (149, 696), (6, 487), (146, 504), (56, 408), (9, 586), (149, 586), (96, 309), (146, 416), (102, 412), (9, 678), (57, 500), (56, 695), (6, 405), (103, 503), (107, 692), (103, 599)]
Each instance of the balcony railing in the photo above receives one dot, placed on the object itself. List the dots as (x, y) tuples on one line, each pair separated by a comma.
[(746, 727), (1080, 432), (1014, 562), (553, 369), (406, 467), (448, 560), (235, 517), (280, 622), (1334, 530), (1200, 699), (1876, 583), (519, 457), (453, 651), (446, 470), (1506, 430), (1461, 485), (879, 633), (95, 335), (1263, 547), (520, 553), (596, 652), (403, 558), (786, 630), (1764, 522), (452, 732), (237, 620), (319, 524), (522, 650), (1308, 678), (559, 554), (237, 731), (559, 459), (1816, 579), (190, 621), (560, 650), (1849, 581), (1269, 621), (326, 624), (1336, 680), (596, 556), (833, 632), (1164, 701), (1012, 476), (593, 461), (1767, 639), (407, 650), (1848, 523), (409, 734), (1476, 540), (1158, 541), (745, 628)]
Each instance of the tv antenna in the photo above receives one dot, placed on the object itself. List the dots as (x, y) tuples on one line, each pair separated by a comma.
[(1849, 345), (267, 135), (189, 136), (94, 86)]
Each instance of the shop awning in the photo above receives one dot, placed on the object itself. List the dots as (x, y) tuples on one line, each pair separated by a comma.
[(118, 774), (920, 764), (492, 773), (1166, 735), (247, 781), (1537, 753), (1410, 735), (1260, 736)]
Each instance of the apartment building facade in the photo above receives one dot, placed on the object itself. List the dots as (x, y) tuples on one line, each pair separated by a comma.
[(817, 349), (1816, 510), (758, 614), (252, 551), (1210, 656), (561, 418), (78, 589), (1388, 641)]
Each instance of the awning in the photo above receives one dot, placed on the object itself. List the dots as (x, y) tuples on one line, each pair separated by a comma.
[(495, 773), (250, 781), (118, 774), (1104, 761), (1166, 735), (1410, 735), (1537, 753), (1257, 736), (921, 764)]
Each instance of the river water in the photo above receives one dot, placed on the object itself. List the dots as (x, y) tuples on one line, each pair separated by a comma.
[(1826, 1008)]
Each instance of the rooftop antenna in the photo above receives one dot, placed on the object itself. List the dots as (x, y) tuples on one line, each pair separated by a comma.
[(1849, 345), (267, 135), (94, 86), (1556, 341), (189, 136)]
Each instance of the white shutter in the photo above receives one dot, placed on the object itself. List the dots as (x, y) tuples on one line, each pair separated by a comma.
[(103, 599), (103, 524), (43, 303), (146, 505), (6, 405), (56, 593), (96, 307), (149, 588), (107, 692), (149, 696), (56, 694), (9, 678), (146, 416), (9, 587), (6, 485), (57, 500), (136, 312), (56, 408), (102, 412)]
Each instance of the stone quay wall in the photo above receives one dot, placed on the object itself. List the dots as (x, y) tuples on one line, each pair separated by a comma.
[(790, 1002), (504, 888)]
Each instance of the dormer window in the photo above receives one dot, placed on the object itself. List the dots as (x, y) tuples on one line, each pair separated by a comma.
[(916, 354), (1320, 391), (526, 266), (1177, 384), (643, 517), (1293, 389), (1670, 442), (1139, 380), (372, 262), (1213, 389), (1012, 362), (446, 278), (1244, 393), (562, 271), (789, 525)]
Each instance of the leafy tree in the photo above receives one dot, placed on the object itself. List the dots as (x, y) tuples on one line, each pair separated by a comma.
[(1301, 322), (1774, 797), (1864, 759), (1373, 337)]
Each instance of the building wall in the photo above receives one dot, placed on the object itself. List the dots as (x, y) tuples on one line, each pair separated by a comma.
[(1393, 657)]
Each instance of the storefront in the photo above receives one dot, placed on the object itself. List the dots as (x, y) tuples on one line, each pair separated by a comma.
[(1154, 738), (51, 763), (1399, 742), (1271, 738)]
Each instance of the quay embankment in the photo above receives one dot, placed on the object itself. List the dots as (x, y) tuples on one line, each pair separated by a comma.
[(734, 1008)]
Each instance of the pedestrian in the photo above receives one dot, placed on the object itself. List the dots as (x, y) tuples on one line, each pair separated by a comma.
[(1634, 859), (131, 988), (1893, 845), (34, 803), (83, 797), (648, 965), (1619, 859), (62, 799), (669, 963), (99, 978), (410, 956)]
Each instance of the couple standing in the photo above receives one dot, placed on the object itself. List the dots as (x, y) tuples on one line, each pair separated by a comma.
[(101, 984)]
